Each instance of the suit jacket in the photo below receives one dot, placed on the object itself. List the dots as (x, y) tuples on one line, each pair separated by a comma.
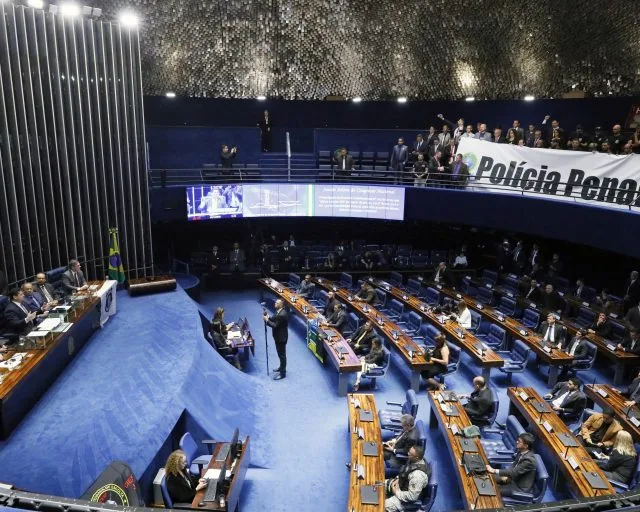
[(14, 320), (622, 466), (533, 295), (213, 260), (627, 344), (444, 138), (348, 161), (603, 330), (551, 301), (446, 277), (279, 323), (180, 490), (440, 147), (306, 289), (462, 174), (633, 291), (420, 147), (483, 136), (499, 140), (581, 351), (573, 404), (34, 302), (479, 404), (518, 259), (362, 339), (399, 155), (522, 472), (40, 289), (368, 296), (558, 332), (593, 424), (237, 259), (633, 391), (632, 318), (405, 440), (338, 320), (70, 283), (329, 308)]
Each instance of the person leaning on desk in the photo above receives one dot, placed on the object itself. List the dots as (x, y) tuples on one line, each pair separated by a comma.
[(521, 475), (182, 486), (219, 332)]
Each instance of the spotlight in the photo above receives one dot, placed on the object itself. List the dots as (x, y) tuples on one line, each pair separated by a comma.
[(528, 97), (402, 99), (69, 9), (469, 98), (357, 99), (171, 95), (36, 4), (261, 98), (128, 19)]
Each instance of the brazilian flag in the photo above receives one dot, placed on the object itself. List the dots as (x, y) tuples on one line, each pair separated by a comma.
[(116, 270)]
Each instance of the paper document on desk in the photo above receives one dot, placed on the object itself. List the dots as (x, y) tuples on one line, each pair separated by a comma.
[(212, 474), (37, 334), (235, 334), (49, 324)]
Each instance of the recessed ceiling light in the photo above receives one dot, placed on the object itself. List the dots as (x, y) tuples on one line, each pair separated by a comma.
[(171, 95), (128, 19), (261, 98), (69, 9), (357, 99), (36, 4), (402, 99), (528, 97), (469, 98)]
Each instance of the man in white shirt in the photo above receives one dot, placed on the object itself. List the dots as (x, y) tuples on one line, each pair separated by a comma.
[(551, 331), (567, 399)]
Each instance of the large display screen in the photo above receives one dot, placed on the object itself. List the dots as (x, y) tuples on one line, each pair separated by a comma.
[(295, 200)]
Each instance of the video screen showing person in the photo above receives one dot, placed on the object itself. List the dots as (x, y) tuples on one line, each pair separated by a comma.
[(214, 202)]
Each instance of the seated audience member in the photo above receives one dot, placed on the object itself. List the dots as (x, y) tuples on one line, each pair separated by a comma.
[(344, 164), (512, 137), (227, 156), (219, 332), (632, 392), (462, 315), (400, 445), (459, 172), (551, 331), (482, 133), (579, 290), (537, 141), (330, 261), (408, 485), (604, 301), (33, 301), (306, 287), (420, 171), (461, 259), (17, 320), (631, 291), (630, 343), (182, 486), (605, 148), (419, 147), (533, 292), (521, 475), (567, 399), (443, 276), (601, 326), (330, 306), (366, 293), (468, 133), (46, 290), (580, 136), (550, 299), (362, 338), (621, 464), (577, 347), (338, 319), (599, 431), (374, 359), (498, 137), (438, 360), (367, 261), (73, 279), (479, 402), (237, 258)]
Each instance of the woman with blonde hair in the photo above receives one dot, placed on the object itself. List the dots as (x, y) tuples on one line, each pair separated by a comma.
[(621, 464), (182, 486)]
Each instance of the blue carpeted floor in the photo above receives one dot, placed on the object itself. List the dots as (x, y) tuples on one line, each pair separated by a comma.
[(123, 394)]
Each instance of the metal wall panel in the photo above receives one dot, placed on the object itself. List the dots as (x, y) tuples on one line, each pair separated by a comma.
[(72, 149)]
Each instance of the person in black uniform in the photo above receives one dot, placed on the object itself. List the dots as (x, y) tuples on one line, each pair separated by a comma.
[(265, 131), (279, 323), (182, 486), (437, 363)]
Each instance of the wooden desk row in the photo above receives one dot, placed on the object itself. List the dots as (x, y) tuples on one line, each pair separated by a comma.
[(553, 357), (369, 467), (608, 397), (547, 426), (23, 386), (486, 359), (342, 356), (408, 349), (448, 425)]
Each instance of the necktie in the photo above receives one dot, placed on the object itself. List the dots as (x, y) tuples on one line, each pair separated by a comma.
[(23, 309), (46, 294), (77, 280), (573, 349)]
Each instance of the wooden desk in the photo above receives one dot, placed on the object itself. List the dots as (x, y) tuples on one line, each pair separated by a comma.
[(345, 363), (555, 358), (468, 489), (575, 479), (487, 360), (408, 349), (23, 386), (614, 400), (373, 466), (234, 488)]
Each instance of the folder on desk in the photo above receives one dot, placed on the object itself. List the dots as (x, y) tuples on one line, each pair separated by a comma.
[(468, 445), (366, 415), (484, 486), (370, 449), (369, 495), (341, 350), (449, 396), (567, 440), (449, 410), (540, 407), (595, 480)]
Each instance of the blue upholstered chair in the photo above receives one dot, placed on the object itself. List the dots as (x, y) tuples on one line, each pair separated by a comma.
[(394, 310), (561, 284), (511, 284), (485, 296), (426, 335), (454, 361), (319, 299), (507, 306), (190, 448), (585, 317), (432, 297), (390, 418), (294, 281), (490, 417), (168, 502), (422, 443), (410, 323), (531, 319), (515, 360), (476, 318), (381, 297), (489, 277), (491, 334), (413, 287), (353, 323), (537, 493), (54, 278), (374, 374), (502, 450), (395, 279), (346, 280), (581, 365)]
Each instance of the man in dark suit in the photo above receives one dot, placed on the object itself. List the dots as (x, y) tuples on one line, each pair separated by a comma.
[(479, 402), (550, 299), (33, 301), (552, 332), (459, 172), (73, 279), (521, 475), (601, 326), (227, 156), (533, 293), (338, 319), (366, 293), (631, 342), (266, 127), (419, 147), (535, 256), (46, 290), (518, 129), (213, 266), (3, 283), (436, 170), (633, 392), (577, 347), (518, 259), (306, 287), (399, 156), (330, 306), (344, 164), (442, 275), (400, 445), (631, 291), (362, 338), (279, 323), (497, 136), (16, 318), (632, 318), (237, 258), (567, 399)]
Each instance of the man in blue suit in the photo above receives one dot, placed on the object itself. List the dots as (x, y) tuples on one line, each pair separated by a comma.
[(34, 302), (399, 156)]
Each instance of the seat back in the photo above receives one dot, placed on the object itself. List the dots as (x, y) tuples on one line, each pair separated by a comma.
[(431, 490), (511, 432), (382, 297), (323, 297), (353, 321), (491, 417), (588, 362), (585, 317), (589, 293), (542, 479), (396, 307), (168, 502), (561, 284), (189, 447), (410, 405), (54, 277), (521, 351), (294, 280), (422, 434), (454, 358), (485, 296), (511, 284), (346, 280), (530, 318), (429, 332), (395, 278), (507, 306), (475, 320), (413, 286), (489, 277), (414, 320), (432, 296), (496, 335)]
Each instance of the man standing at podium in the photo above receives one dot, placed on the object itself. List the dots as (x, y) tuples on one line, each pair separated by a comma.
[(73, 279), (279, 323)]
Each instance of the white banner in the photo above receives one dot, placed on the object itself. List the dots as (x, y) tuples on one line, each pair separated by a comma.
[(107, 294), (577, 176)]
